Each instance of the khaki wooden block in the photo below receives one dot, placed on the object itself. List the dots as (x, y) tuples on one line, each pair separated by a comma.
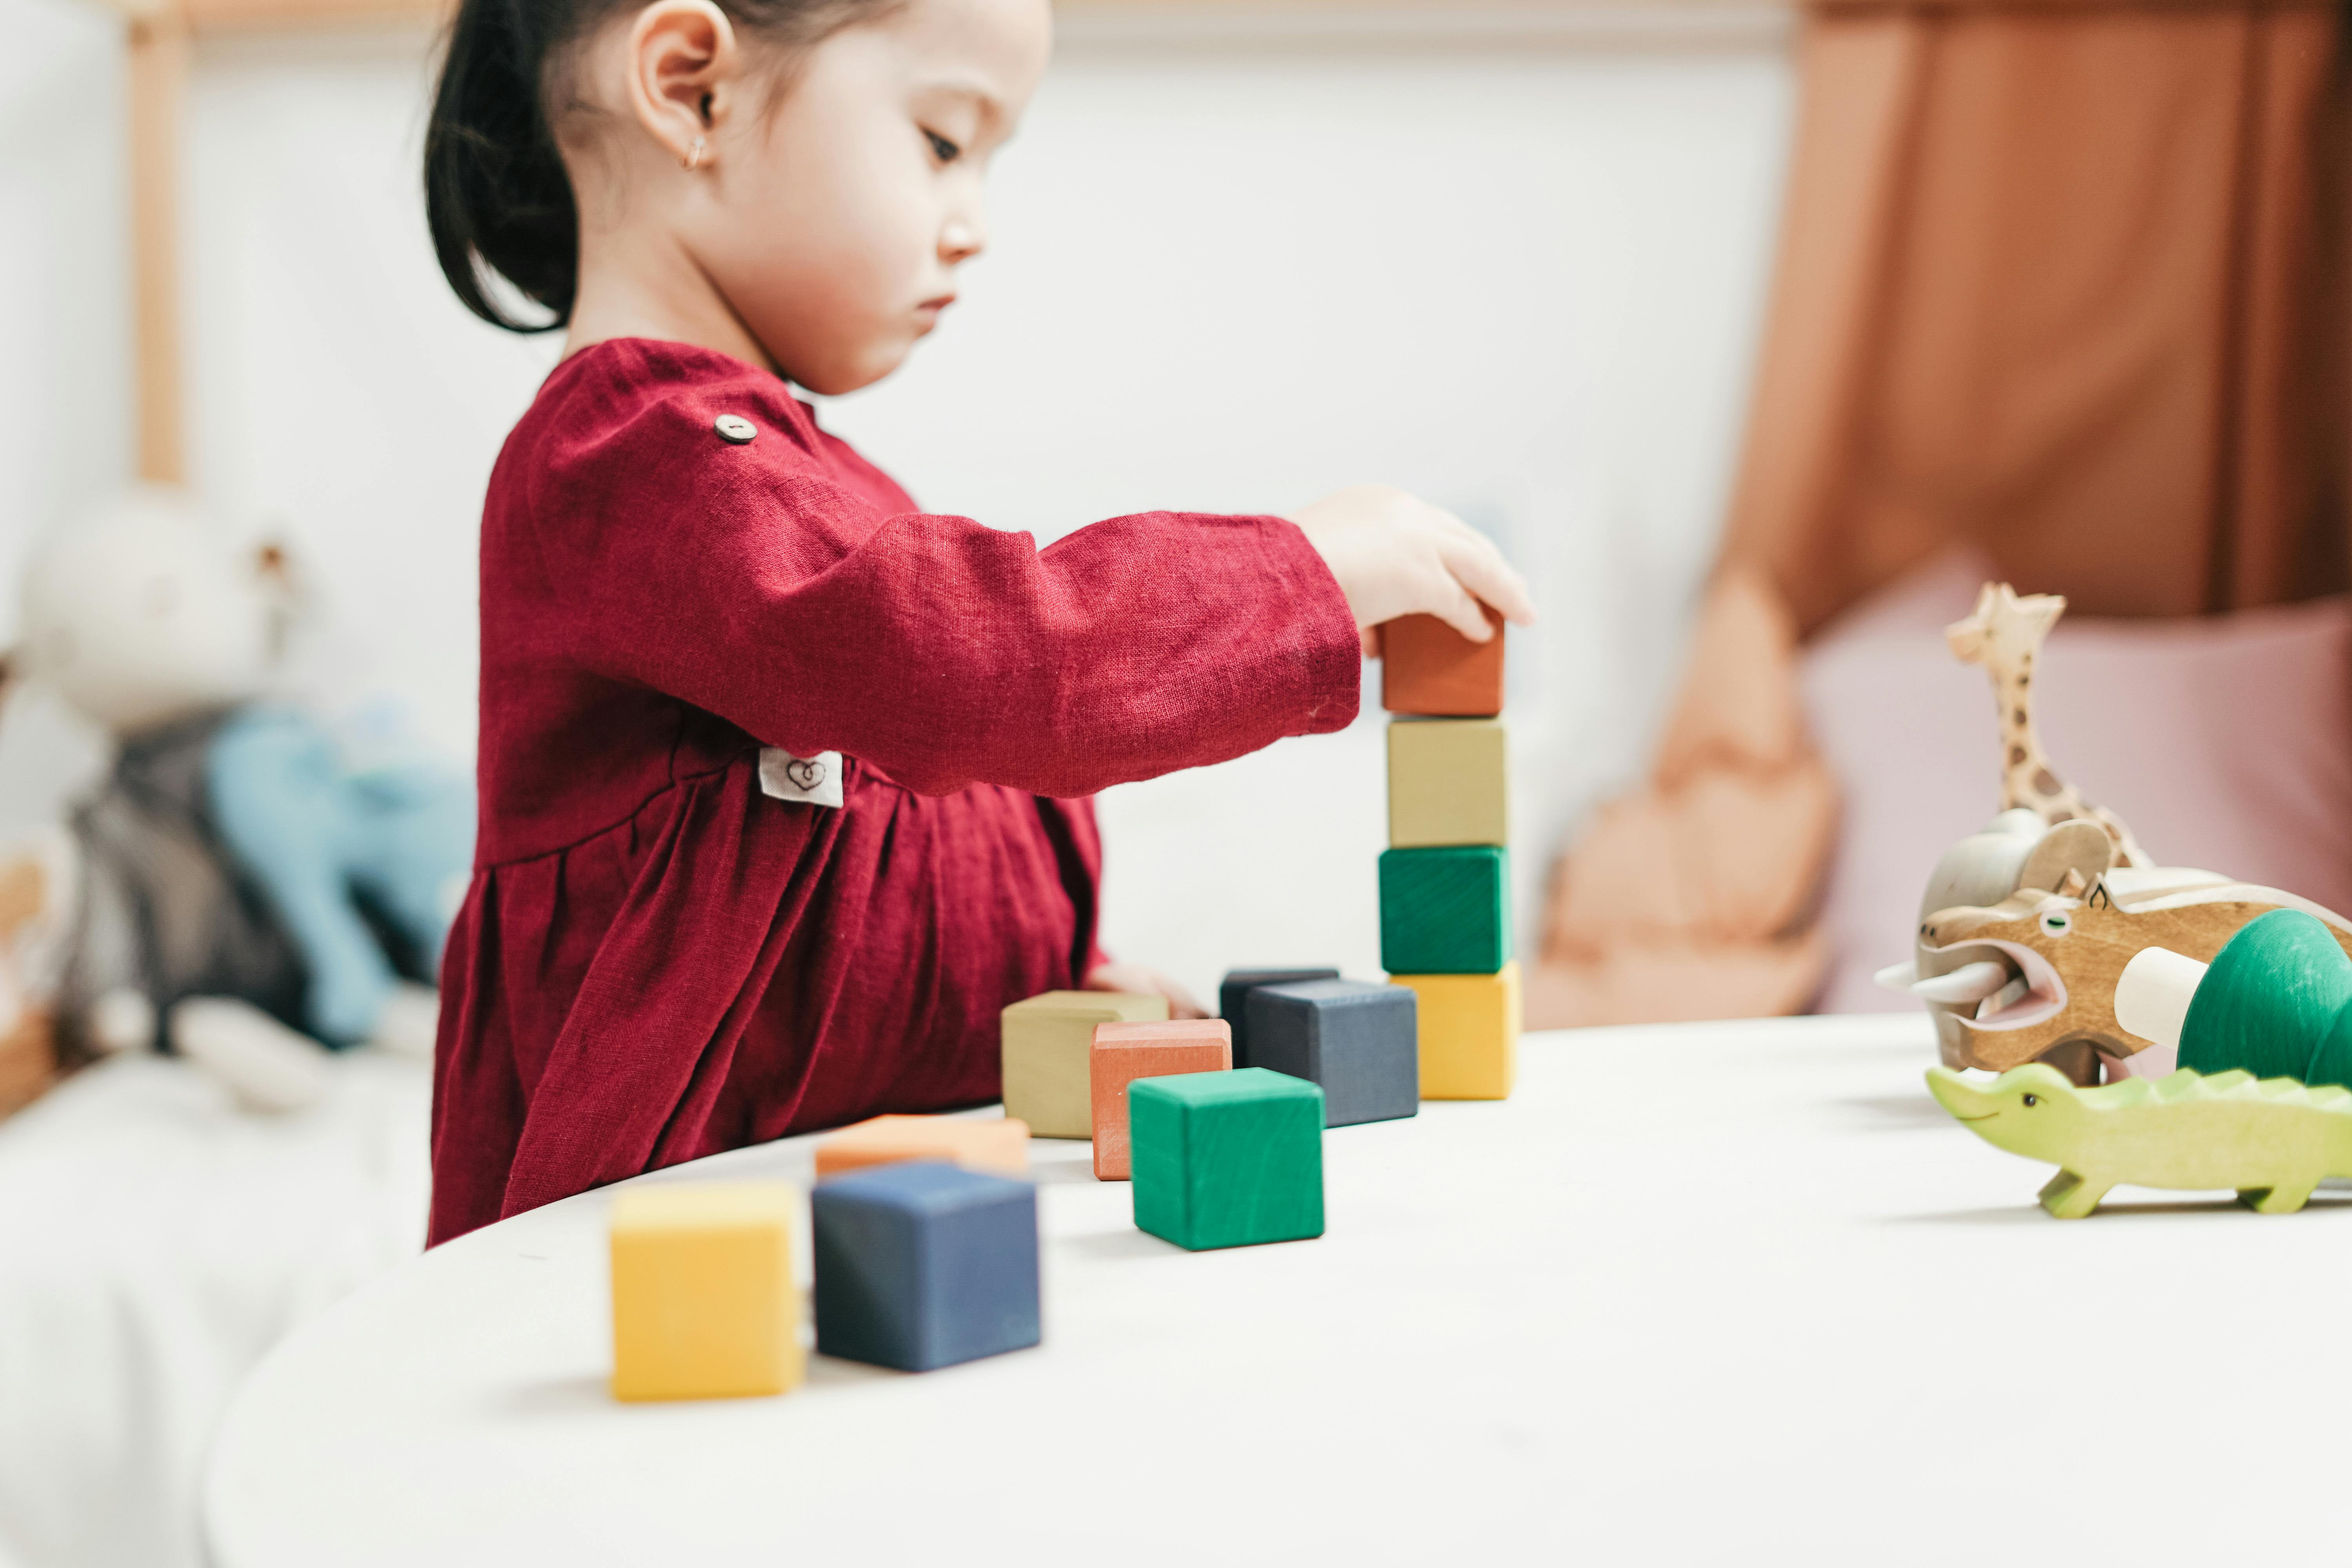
[(1125, 1052), (1469, 1032), (1001, 1146), (704, 1305), (1048, 1047), (1449, 783)]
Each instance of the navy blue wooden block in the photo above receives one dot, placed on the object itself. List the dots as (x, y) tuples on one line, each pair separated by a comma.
[(924, 1264), (1233, 995), (1359, 1041)]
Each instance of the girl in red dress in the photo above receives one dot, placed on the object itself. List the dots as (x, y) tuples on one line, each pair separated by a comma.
[(682, 575)]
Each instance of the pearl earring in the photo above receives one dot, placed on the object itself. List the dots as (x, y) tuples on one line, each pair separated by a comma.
[(694, 154)]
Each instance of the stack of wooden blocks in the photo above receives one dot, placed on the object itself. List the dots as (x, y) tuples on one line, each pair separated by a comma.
[(1445, 880)]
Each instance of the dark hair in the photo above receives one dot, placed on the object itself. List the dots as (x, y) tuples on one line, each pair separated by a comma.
[(496, 194)]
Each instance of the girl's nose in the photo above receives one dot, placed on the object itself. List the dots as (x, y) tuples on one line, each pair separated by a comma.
[(961, 240)]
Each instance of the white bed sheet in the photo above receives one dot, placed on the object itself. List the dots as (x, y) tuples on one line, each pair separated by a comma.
[(155, 1242)]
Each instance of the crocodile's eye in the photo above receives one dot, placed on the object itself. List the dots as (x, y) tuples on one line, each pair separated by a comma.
[(2033, 1100), (2054, 923)]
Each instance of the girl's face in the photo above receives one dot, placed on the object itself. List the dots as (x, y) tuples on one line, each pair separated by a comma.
[(835, 207)]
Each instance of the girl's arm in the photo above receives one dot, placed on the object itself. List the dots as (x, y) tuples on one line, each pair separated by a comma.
[(752, 580), (940, 650)]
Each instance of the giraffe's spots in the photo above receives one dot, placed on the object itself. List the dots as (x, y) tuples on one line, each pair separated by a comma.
[(2021, 718), (2045, 783), (2016, 756), (2061, 814)]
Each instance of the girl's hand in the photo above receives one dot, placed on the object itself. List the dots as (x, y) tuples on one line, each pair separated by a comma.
[(1135, 978), (1396, 555)]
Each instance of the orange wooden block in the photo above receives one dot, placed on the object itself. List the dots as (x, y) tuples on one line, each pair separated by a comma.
[(1001, 1145), (1428, 668), (1125, 1052)]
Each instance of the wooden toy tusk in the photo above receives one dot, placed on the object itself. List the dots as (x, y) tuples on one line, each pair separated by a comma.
[(2009, 995), (1968, 982), (2153, 992), (1897, 976)]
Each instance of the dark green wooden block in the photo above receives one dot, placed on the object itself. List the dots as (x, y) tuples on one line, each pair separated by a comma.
[(1446, 910), (1227, 1159)]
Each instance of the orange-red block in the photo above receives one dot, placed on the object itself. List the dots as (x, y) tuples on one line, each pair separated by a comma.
[(1001, 1145), (1125, 1052), (1428, 668)]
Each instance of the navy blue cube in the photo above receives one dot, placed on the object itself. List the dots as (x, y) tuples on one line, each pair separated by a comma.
[(1361, 1042), (923, 1265), (1233, 997)]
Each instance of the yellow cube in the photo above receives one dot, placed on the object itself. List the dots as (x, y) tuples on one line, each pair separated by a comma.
[(1048, 1044), (1469, 1032), (703, 1301), (1449, 783)]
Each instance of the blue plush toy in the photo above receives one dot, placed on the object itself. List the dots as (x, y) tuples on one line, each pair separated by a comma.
[(364, 870), (240, 894)]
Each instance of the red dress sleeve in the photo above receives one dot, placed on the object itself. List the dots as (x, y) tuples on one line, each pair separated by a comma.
[(759, 580)]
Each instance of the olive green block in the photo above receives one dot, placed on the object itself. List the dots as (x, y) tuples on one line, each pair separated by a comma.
[(1048, 1047), (1446, 911), (1227, 1159), (1449, 783)]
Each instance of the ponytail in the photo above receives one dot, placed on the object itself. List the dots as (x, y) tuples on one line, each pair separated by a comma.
[(496, 198)]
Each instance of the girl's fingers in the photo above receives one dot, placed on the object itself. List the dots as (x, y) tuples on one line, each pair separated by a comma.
[(1462, 613), (1479, 567)]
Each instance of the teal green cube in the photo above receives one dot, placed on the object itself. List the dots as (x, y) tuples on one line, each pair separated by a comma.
[(1227, 1159), (1445, 910)]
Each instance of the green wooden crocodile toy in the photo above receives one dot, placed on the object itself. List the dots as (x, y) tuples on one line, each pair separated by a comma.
[(2271, 1139)]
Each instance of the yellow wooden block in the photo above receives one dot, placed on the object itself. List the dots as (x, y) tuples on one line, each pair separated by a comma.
[(703, 1301), (1048, 1044), (1469, 1032), (1449, 783)]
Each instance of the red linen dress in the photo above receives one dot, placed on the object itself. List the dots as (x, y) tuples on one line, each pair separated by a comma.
[(655, 960)]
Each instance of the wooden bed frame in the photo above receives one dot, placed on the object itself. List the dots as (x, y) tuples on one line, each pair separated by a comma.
[(161, 32)]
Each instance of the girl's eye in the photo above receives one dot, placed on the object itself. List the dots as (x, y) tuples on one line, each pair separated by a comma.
[(945, 150)]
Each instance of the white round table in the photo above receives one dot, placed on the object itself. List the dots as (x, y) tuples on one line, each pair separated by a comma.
[(1707, 1293)]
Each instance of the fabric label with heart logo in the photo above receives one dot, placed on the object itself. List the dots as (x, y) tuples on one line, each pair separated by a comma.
[(811, 781)]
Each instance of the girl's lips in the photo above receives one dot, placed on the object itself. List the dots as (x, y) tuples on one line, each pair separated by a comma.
[(935, 306)]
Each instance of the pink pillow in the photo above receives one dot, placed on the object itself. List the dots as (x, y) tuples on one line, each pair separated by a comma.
[(2225, 742)]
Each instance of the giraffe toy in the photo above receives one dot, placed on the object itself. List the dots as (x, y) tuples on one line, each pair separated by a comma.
[(2004, 635)]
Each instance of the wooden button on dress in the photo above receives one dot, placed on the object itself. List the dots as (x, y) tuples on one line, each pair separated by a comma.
[(734, 427)]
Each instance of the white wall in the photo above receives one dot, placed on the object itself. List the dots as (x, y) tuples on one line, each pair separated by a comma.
[(1515, 266), (68, 425)]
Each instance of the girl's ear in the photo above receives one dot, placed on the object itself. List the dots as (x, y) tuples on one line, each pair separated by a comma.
[(682, 62)]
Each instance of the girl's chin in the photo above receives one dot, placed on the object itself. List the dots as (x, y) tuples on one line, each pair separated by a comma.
[(848, 373)]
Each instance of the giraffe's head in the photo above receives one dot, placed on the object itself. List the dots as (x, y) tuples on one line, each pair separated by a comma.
[(2005, 630)]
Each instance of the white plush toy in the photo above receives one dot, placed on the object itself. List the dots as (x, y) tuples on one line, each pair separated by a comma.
[(237, 897)]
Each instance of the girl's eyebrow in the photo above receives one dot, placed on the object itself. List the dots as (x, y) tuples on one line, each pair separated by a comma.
[(991, 107)]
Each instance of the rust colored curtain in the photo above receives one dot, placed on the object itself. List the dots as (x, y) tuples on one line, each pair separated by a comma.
[(2060, 280)]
